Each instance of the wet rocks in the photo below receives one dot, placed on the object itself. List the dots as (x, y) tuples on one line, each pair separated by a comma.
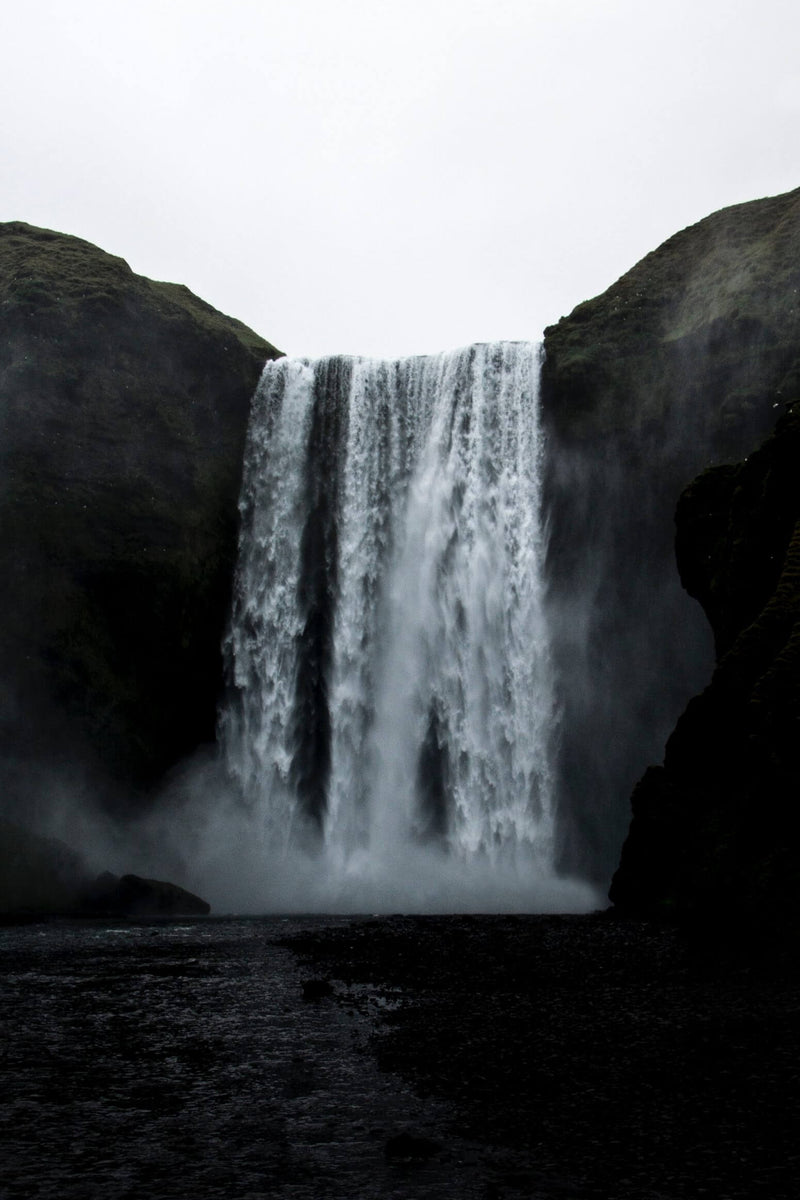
[(133, 896), (408, 1146), (317, 989), (41, 876), (634, 1070)]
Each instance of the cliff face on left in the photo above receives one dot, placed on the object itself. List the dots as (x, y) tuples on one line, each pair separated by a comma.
[(123, 412)]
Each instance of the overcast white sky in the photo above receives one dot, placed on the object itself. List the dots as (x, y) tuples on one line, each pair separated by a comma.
[(392, 178)]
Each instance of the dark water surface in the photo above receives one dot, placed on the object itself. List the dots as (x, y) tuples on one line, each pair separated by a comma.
[(531, 1058), (180, 1060)]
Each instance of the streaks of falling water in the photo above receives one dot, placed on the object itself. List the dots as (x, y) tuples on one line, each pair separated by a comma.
[(389, 671)]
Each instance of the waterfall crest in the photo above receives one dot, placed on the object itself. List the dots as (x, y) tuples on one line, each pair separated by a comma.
[(390, 690)]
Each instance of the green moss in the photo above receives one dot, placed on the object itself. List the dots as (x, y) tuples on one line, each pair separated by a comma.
[(713, 307)]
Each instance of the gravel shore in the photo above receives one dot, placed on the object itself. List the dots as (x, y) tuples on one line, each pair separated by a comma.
[(582, 1056)]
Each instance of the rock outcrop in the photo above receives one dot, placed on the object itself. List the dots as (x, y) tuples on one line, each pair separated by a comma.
[(123, 411), (133, 896), (37, 874), (716, 828), (685, 362), (44, 877)]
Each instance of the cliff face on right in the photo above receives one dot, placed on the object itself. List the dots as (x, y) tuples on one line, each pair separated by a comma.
[(716, 828), (684, 364)]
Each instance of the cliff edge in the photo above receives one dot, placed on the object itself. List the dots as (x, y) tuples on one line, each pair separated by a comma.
[(123, 410)]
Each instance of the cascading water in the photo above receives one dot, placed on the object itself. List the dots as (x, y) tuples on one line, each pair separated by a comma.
[(391, 701)]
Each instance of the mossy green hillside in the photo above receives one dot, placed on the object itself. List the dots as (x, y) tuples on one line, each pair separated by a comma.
[(714, 311)]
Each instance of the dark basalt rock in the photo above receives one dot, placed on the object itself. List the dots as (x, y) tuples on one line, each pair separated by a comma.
[(133, 896), (42, 876), (37, 874), (317, 989), (634, 1062), (683, 363), (716, 829), (123, 410), (411, 1147)]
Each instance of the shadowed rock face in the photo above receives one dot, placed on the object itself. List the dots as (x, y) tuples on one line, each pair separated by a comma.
[(38, 875), (42, 876), (686, 361), (716, 829), (123, 410), (133, 896)]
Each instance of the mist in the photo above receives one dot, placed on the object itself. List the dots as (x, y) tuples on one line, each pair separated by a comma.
[(211, 843)]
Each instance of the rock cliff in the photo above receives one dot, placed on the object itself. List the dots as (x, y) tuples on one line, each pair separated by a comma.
[(123, 410), (42, 877), (716, 828), (684, 362)]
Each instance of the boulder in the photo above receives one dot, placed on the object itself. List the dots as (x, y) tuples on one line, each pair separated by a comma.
[(43, 877), (133, 896)]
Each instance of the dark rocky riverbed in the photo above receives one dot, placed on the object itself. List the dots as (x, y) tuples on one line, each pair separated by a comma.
[(485, 1057), (589, 1056)]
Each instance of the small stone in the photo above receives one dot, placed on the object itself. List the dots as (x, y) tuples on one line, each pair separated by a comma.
[(410, 1146), (316, 989)]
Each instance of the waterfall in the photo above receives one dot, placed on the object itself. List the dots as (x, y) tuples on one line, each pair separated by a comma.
[(390, 692)]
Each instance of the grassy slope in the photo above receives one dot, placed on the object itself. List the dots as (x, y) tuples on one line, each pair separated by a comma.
[(711, 318)]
